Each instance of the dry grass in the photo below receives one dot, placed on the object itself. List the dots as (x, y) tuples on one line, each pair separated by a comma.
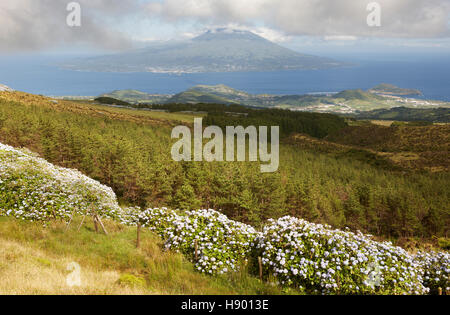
[(25, 270), (34, 260), (385, 123), (409, 147), (96, 110)]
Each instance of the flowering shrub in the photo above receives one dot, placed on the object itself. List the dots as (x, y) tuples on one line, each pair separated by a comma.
[(33, 189), (436, 270), (321, 260), (222, 244)]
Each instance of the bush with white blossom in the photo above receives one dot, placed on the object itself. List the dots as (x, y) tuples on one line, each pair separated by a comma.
[(436, 268), (222, 244), (326, 261), (33, 189)]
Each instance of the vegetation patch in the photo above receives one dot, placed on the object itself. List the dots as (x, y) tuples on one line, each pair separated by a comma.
[(130, 280)]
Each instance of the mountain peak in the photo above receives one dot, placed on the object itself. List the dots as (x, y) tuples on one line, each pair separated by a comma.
[(216, 50), (225, 33)]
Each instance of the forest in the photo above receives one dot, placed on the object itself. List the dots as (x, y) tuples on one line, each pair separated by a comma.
[(313, 124), (129, 152)]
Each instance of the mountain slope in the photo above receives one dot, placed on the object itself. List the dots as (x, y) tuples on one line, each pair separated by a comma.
[(220, 50)]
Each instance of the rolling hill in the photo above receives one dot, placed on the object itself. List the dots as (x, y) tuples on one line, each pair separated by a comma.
[(432, 115), (134, 96), (349, 95), (219, 94), (390, 89), (345, 102)]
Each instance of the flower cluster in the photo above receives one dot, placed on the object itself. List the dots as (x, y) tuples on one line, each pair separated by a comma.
[(321, 260), (436, 270), (213, 242), (33, 189)]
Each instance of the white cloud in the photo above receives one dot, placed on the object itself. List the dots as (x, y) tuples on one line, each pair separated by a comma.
[(266, 32), (340, 38), (41, 24), (400, 18), (113, 24)]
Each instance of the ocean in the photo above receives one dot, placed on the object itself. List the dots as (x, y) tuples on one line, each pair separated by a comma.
[(431, 75)]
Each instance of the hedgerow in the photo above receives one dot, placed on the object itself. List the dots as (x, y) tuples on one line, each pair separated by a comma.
[(436, 270), (322, 260), (33, 189), (215, 243)]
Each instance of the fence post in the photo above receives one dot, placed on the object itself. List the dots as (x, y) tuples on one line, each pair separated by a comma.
[(138, 239), (95, 223), (196, 249), (260, 268)]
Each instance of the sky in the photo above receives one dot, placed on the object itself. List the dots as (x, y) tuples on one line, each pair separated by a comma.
[(326, 27)]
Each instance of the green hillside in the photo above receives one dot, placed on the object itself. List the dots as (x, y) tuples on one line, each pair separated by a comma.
[(193, 97), (136, 97), (128, 94), (432, 115), (111, 101), (390, 89), (346, 102), (224, 252), (357, 95), (129, 151), (412, 146)]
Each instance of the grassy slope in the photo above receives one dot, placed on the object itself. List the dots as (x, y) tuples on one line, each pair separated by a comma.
[(34, 260), (95, 110), (411, 147), (435, 115)]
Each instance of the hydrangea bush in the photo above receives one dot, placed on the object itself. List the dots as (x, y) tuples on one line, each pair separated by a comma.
[(222, 245), (322, 260), (436, 270), (33, 189)]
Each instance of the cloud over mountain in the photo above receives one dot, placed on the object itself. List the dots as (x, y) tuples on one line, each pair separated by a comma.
[(400, 18), (30, 25)]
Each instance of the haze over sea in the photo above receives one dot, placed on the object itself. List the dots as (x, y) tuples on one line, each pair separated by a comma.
[(429, 74)]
